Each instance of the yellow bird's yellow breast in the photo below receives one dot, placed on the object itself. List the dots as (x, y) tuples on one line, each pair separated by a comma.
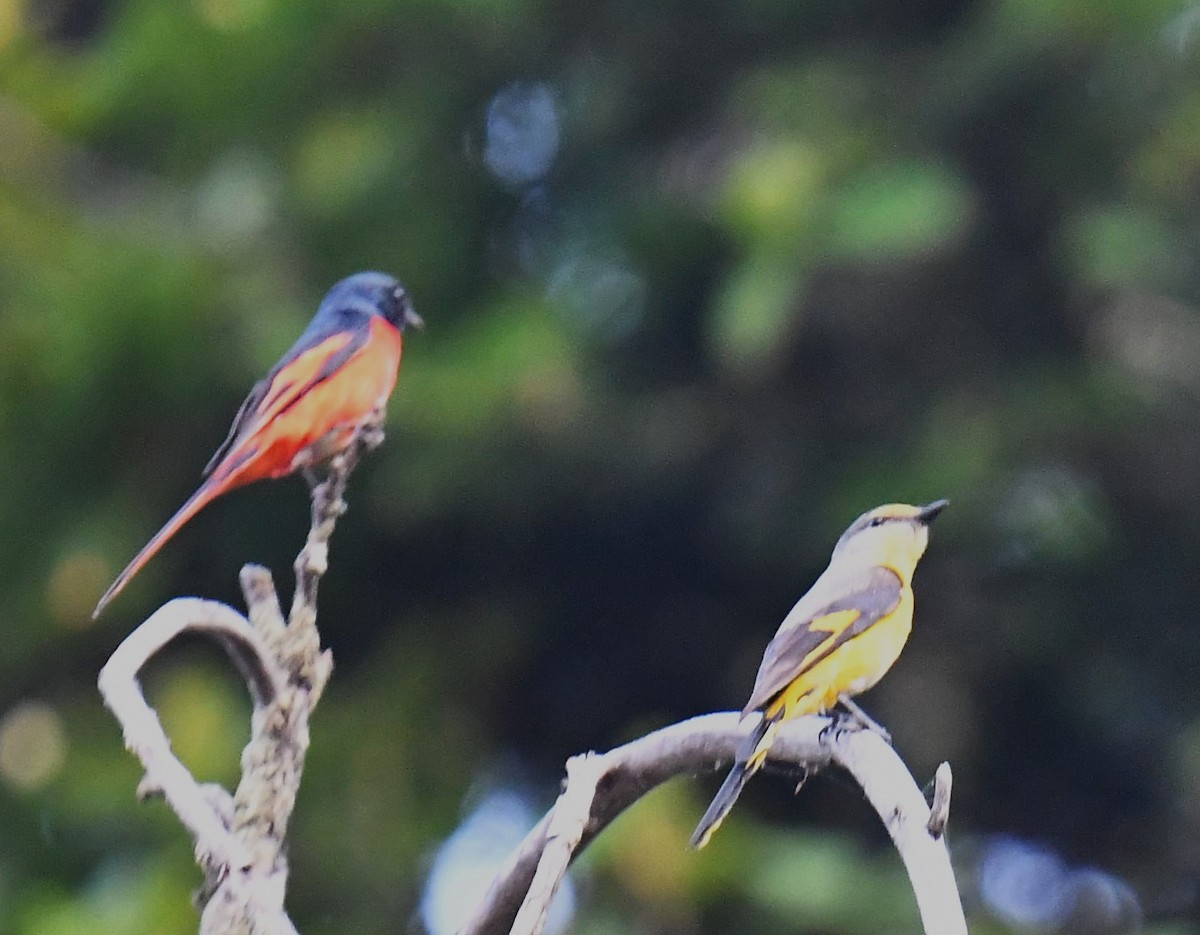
[(852, 668)]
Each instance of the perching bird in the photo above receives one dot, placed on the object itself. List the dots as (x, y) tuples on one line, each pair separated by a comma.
[(340, 372), (838, 640)]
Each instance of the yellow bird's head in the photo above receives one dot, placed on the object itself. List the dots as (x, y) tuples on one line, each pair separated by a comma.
[(893, 535)]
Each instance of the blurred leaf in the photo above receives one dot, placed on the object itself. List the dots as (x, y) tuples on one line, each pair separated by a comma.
[(756, 313), (900, 211), (1121, 246)]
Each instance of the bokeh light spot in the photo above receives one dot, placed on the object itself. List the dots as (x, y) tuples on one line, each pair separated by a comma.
[(1154, 339), (33, 745), (759, 306), (1023, 883), (204, 717), (231, 15), (1030, 886), (342, 158), (73, 586), (773, 191), (604, 295), (10, 20), (1052, 512), (236, 201), (467, 862), (521, 133)]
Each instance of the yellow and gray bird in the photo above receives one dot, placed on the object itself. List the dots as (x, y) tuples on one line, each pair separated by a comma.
[(839, 639)]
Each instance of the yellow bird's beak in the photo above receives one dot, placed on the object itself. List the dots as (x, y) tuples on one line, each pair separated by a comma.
[(928, 513)]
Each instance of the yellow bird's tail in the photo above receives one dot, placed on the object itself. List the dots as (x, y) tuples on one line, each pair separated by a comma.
[(749, 760)]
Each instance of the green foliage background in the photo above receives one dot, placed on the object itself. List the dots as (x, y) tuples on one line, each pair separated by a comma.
[(790, 260)]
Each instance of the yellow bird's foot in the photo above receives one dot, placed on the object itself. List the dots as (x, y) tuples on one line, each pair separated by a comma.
[(792, 772), (859, 719), (839, 723), (843, 722)]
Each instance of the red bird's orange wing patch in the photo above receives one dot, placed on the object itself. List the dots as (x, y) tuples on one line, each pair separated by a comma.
[(311, 406), (277, 390)]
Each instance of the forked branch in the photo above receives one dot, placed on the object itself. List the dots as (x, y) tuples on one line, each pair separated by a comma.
[(240, 838)]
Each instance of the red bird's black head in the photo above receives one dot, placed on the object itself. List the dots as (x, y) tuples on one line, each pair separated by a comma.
[(372, 294)]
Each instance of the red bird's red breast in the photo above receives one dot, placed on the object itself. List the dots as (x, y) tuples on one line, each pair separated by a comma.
[(305, 416)]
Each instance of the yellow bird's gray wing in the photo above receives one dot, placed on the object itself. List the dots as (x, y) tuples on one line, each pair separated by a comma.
[(820, 622)]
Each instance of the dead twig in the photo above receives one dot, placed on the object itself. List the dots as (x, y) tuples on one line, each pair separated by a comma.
[(939, 808)]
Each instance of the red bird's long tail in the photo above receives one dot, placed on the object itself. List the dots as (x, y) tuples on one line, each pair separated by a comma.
[(209, 490)]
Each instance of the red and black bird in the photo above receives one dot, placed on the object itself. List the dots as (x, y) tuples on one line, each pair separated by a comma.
[(339, 373)]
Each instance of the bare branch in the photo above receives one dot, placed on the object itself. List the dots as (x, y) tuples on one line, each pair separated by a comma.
[(327, 506), (565, 826), (708, 743), (939, 809), (898, 800), (240, 839), (216, 848)]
